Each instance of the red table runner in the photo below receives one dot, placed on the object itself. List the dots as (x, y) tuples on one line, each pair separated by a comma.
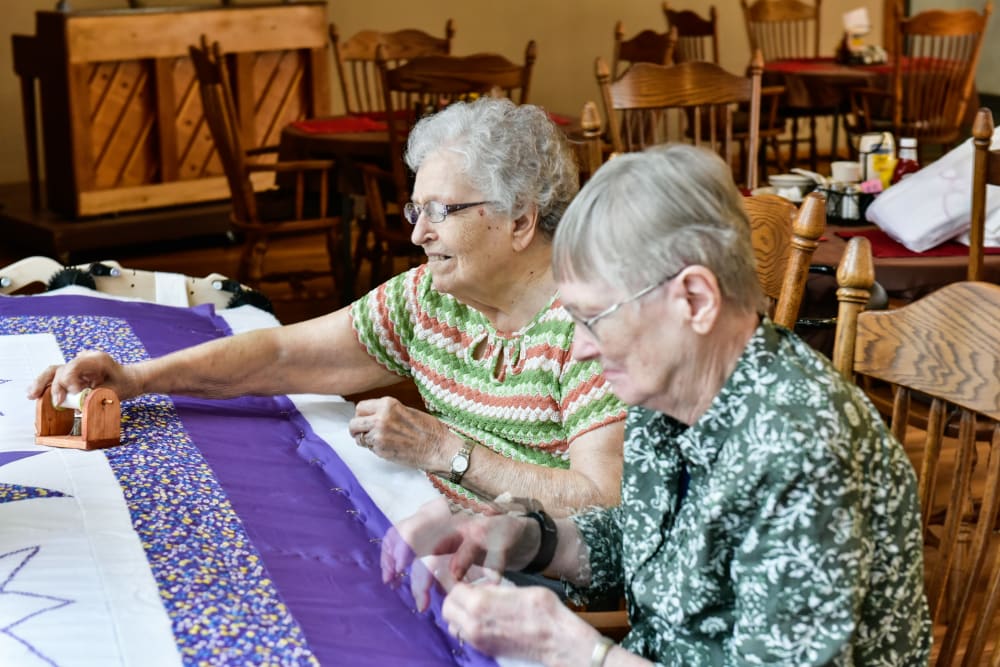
[(340, 125), (884, 246)]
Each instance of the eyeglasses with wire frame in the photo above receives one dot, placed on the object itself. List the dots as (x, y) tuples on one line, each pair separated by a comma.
[(589, 322), (434, 210)]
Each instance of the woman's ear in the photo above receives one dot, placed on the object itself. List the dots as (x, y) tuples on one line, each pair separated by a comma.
[(703, 296), (524, 228)]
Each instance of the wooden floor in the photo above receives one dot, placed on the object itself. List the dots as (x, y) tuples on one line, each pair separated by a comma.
[(914, 448)]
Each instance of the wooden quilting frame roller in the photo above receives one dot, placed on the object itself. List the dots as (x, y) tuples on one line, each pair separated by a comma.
[(100, 421), (110, 277)]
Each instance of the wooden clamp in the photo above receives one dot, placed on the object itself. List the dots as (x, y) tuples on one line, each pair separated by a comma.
[(100, 421)]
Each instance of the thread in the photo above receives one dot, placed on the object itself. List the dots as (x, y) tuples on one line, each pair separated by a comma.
[(75, 401)]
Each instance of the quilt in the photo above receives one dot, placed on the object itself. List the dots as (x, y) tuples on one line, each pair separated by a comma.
[(218, 533)]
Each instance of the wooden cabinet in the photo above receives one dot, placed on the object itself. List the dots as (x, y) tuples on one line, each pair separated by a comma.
[(121, 120)]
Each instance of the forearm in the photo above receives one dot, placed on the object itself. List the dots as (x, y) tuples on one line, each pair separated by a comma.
[(560, 491), (317, 356), (570, 561), (224, 368), (592, 480)]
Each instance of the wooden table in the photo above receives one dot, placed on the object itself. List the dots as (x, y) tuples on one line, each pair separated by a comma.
[(907, 278), (823, 83)]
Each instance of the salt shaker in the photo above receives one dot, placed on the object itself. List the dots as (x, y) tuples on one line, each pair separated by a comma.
[(834, 196), (849, 203)]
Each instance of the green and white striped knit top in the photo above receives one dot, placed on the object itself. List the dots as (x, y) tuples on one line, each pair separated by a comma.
[(524, 397)]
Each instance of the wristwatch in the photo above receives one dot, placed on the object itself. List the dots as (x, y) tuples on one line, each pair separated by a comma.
[(547, 544), (460, 462)]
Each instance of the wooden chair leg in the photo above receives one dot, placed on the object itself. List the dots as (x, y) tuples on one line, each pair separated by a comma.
[(361, 251), (793, 147), (835, 136), (252, 261), (333, 242), (376, 262), (813, 153)]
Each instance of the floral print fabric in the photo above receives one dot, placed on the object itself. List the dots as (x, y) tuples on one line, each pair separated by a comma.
[(781, 528)]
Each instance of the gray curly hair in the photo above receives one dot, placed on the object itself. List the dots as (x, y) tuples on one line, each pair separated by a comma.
[(643, 216), (512, 153)]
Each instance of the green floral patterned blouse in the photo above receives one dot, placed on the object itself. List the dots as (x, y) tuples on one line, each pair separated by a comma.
[(782, 528)]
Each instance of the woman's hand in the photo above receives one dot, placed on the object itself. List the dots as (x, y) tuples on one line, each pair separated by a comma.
[(527, 623), (404, 435), (469, 540), (87, 371)]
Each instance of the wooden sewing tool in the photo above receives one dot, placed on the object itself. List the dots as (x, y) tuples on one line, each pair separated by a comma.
[(100, 418)]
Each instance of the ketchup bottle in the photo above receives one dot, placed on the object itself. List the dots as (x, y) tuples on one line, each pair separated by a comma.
[(908, 161)]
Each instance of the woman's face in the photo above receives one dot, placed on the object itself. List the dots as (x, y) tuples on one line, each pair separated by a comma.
[(466, 252), (640, 345)]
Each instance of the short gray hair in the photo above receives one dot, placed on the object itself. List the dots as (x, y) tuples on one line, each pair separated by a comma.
[(514, 154), (644, 216)]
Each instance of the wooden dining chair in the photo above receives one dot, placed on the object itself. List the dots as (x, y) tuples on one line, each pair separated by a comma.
[(783, 29), (360, 82), (942, 351), (270, 215), (784, 239), (647, 46), (698, 40), (693, 101), (420, 86), (588, 145), (789, 29), (985, 171), (697, 37), (935, 56)]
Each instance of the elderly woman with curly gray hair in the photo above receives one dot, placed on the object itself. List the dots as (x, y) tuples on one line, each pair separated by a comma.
[(479, 328)]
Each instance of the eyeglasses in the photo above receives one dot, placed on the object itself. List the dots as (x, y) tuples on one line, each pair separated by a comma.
[(589, 323), (434, 210)]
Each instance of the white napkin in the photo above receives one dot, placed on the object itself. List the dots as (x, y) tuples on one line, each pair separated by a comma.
[(934, 204)]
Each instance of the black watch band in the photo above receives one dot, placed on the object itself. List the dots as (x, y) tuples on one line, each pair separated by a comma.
[(547, 545)]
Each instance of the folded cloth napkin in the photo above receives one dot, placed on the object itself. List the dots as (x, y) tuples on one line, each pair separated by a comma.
[(883, 246), (934, 204), (340, 125)]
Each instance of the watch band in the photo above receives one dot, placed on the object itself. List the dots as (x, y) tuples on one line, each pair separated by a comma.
[(464, 455), (547, 546)]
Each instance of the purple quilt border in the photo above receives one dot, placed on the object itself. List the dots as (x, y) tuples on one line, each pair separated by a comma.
[(363, 622)]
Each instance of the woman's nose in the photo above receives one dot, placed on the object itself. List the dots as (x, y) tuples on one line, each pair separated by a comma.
[(585, 346), (422, 230)]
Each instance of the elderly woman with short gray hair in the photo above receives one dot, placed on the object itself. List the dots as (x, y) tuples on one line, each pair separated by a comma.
[(768, 516), (479, 328)]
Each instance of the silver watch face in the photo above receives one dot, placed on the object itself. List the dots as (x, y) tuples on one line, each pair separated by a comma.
[(460, 463)]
